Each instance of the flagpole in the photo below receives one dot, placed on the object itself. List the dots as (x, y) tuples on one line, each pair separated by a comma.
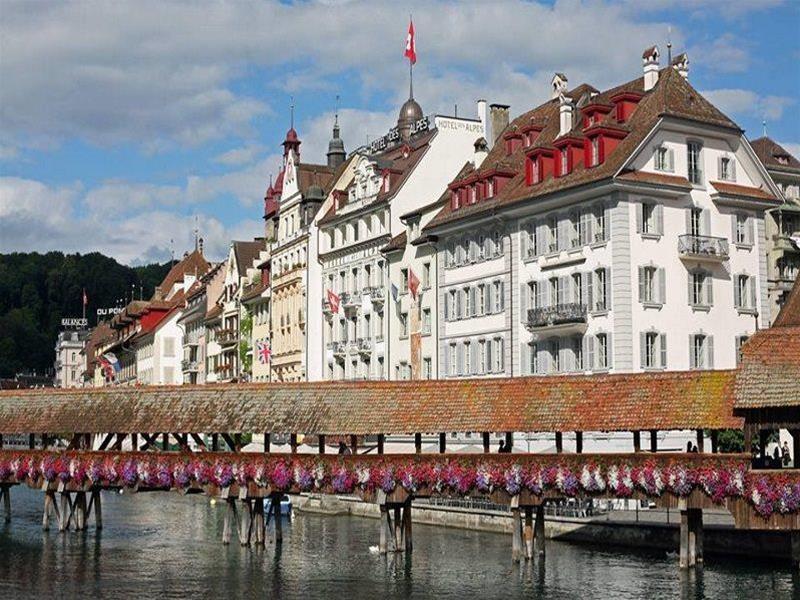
[(410, 80)]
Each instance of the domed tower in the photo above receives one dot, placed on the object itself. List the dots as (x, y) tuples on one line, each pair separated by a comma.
[(336, 154), (313, 198), (292, 142), (410, 113)]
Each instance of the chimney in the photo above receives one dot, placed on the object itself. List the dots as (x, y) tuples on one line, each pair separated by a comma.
[(681, 64), (565, 113), (650, 64), (499, 119), (559, 85), (483, 117)]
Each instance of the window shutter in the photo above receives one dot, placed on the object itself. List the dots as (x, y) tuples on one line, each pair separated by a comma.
[(563, 233), (489, 299), (588, 279), (502, 296), (671, 160), (733, 228), (501, 355), (643, 349), (692, 361), (689, 286), (639, 217), (524, 358), (610, 349), (489, 350), (562, 290), (737, 296), (709, 282), (749, 228), (608, 289), (751, 283), (474, 356), (663, 339), (523, 301), (588, 352), (662, 285), (710, 351), (706, 221), (719, 168), (607, 220), (733, 168), (541, 238), (688, 215), (641, 284), (472, 303), (660, 219)]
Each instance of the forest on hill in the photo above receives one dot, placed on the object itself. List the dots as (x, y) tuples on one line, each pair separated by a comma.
[(38, 290)]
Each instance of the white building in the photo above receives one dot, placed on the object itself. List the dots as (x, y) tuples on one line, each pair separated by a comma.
[(364, 230), (610, 231), (69, 365)]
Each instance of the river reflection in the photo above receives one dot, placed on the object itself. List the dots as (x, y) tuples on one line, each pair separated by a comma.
[(169, 546)]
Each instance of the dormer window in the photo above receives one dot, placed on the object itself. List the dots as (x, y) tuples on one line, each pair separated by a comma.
[(454, 199), (664, 159), (472, 195), (489, 188), (563, 162), (532, 170), (595, 157)]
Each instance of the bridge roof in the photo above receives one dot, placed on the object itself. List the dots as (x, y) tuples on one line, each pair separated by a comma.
[(671, 400)]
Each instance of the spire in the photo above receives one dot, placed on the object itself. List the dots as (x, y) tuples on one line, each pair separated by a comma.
[(336, 154), (292, 142), (291, 111), (196, 235)]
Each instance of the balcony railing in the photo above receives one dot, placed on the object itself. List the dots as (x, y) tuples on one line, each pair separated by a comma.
[(559, 314), (337, 347), (351, 300), (377, 294), (227, 336), (703, 247), (189, 366), (365, 345)]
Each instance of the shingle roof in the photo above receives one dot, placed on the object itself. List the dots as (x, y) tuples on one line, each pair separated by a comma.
[(246, 253), (193, 263), (769, 374), (398, 242), (769, 151), (672, 400), (742, 191), (672, 96)]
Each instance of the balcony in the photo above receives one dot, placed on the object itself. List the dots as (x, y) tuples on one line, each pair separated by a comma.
[(560, 318), (227, 337), (376, 294), (351, 301), (189, 366), (703, 247), (365, 346), (327, 309), (338, 348)]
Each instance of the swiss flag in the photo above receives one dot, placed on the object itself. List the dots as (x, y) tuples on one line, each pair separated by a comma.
[(411, 47), (413, 284), (333, 300)]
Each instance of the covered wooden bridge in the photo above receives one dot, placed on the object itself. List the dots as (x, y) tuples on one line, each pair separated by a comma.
[(121, 438)]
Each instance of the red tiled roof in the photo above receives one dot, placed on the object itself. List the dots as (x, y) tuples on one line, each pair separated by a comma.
[(742, 191), (656, 179), (770, 152), (789, 315), (193, 263), (672, 96), (671, 400), (398, 242)]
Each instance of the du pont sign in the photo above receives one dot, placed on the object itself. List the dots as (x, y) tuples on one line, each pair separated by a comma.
[(103, 312)]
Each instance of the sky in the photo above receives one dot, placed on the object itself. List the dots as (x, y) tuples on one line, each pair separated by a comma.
[(124, 125)]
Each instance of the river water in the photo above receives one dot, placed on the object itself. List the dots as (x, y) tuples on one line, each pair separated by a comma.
[(167, 546)]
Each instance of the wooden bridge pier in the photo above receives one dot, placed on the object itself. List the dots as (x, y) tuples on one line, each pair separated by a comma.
[(395, 527), (74, 512), (5, 494), (249, 522), (527, 535), (691, 538)]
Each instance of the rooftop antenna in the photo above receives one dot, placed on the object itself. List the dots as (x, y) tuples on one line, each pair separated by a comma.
[(291, 111), (336, 112), (764, 127), (196, 235), (669, 45), (456, 110)]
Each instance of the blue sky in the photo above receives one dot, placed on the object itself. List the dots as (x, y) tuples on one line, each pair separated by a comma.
[(122, 124)]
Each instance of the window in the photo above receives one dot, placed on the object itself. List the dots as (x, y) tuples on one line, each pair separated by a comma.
[(403, 281), (467, 358), (467, 302), (564, 155), (602, 292), (585, 227), (602, 360), (600, 231), (169, 347), (664, 159), (498, 355), (498, 243), (426, 275), (701, 351), (693, 162), (452, 364), (727, 168), (743, 229), (700, 289), (530, 230), (740, 340), (652, 288), (427, 368), (497, 296), (553, 234), (653, 348), (554, 347), (426, 320), (480, 300), (695, 221), (649, 218), (744, 292), (481, 357), (403, 324), (595, 151)]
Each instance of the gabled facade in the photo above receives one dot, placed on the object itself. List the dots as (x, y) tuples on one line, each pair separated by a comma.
[(607, 231), (783, 222)]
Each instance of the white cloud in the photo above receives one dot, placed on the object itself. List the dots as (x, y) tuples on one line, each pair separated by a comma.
[(746, 102), (239, 156), (792, 148), (38, 217), (726, 54)]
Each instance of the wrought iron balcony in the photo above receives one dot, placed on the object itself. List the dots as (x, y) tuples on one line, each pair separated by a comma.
[(559, 315), (227, 337), (189, 366), (351, 300), (365, 345), (703, 247), (377, 294), (337, 347)]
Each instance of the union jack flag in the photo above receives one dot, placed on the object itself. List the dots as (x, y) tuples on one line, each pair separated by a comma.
[(262, 346)]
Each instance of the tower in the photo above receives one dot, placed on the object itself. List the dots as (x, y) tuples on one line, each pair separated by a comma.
[(336, 154)]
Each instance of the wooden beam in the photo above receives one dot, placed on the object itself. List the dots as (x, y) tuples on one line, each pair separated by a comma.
[(293, 443), (1, 441), (538, 532), (637, 441), (653, 441), (5, 492), (381, 442), (354, 444), (106, 441), (135, 441), (527, 533), (321, 443), (701, 443), (150, 440), (31, 441), (418, 443), (714, 441), (198, 440), (559, 442), (442, 443), (407, 525), (215, 442), (165, 441), (119, 441), (795, 433), (486, 442), (267, 440), (578, 442), (509, 441), (229, 440)]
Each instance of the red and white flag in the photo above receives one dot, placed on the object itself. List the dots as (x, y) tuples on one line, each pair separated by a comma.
[(333, 300), (413, 284), (411, 47)]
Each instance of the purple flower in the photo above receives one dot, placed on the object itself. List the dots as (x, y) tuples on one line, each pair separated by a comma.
[(181, 475), (223, 475), (130, 473)]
